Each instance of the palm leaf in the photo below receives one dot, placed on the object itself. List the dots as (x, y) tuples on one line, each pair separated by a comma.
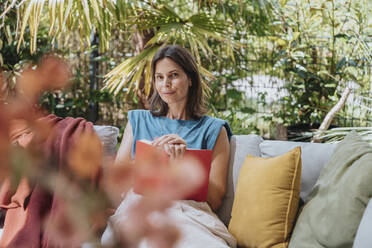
[(337, 134), (130, 71), (148, 77), (193, 32), (65, 17), (191, 27), (24, 22)]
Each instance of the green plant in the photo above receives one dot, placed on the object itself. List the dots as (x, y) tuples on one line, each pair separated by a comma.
[(316, 70), (73, 103)]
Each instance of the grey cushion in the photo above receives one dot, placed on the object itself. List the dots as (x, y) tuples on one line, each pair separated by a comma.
[(240, 147), (314, 157), (363, 238), (108, 136)]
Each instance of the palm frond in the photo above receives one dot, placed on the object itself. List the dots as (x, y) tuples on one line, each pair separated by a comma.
[(190, 25), (65, 17), (170, 27), (129, 72), (337, 134)]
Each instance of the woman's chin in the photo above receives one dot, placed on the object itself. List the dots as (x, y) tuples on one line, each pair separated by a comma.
[(171, 100), (168, 100)]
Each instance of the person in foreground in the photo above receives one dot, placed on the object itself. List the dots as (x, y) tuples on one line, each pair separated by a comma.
[(176, 121)]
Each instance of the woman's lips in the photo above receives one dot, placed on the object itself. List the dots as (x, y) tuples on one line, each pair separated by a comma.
[(168, 93)]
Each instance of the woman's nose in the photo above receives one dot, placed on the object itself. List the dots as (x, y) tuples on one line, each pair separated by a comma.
[(168, 82)]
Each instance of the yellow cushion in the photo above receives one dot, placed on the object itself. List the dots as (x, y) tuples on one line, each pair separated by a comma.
[(266, 200)]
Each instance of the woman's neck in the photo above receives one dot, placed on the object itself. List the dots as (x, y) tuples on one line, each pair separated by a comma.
[(177, 112)]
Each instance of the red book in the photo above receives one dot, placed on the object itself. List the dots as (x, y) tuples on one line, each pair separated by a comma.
[(144, 148)]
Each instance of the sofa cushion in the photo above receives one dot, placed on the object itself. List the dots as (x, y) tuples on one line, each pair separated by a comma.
[(363, 237), (332, 215), (240, 147), (314, 157), (266, 200)]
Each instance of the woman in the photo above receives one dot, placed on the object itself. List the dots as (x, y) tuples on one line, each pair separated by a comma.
[(176, 121)]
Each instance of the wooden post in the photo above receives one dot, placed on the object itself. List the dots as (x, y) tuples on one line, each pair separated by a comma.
[(331, 114)]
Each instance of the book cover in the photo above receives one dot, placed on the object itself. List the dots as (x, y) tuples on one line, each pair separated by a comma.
[(204, 157)]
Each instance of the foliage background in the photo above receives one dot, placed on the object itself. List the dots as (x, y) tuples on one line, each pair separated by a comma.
[(306, 52)]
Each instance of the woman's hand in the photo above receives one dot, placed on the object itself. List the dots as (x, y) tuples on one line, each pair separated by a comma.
[(173, 144)]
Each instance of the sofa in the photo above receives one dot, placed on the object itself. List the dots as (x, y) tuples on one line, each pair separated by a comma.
[(314, 157)]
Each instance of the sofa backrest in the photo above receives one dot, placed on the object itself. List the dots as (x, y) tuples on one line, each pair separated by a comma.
[(314, 157)]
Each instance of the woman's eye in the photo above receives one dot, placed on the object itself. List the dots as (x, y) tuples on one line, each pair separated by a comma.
[(158, 78), (174, 75)]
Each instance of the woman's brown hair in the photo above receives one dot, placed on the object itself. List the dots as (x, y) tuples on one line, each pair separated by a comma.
[(195, 107)]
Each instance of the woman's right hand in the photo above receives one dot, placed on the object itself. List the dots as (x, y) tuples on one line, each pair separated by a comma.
[(173, 144)]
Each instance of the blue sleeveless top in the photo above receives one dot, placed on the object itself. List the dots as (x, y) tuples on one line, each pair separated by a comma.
[(198, 134)]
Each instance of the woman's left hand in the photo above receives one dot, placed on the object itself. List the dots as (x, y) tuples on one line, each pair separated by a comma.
[(173, 144)]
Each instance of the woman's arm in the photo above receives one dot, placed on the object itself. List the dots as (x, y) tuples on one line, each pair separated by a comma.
[(124, 154), (218, 173)]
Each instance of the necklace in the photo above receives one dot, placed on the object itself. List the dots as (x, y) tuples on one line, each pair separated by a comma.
[(179, 129)]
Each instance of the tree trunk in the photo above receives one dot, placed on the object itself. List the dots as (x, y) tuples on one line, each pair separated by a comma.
[(331, 114), (281, 132), (93, 79)]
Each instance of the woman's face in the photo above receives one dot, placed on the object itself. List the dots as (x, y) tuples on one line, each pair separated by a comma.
[(171, 82)]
